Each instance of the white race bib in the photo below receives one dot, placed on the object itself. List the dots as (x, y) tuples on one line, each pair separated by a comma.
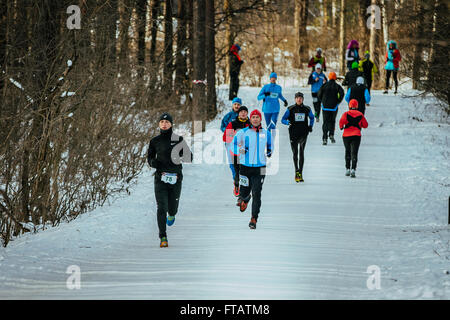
[(243, 181), (170, 178), (299, 117), (274, 95)]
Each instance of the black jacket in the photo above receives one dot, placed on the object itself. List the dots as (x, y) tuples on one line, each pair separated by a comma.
[(351, 76), (331, 94), (235, 65), (298, 120), (357, 92), (166, 152)]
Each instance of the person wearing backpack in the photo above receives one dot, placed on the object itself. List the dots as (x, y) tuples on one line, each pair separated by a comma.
[(318, 79), (359, 92), (351, 122), (393, 59), (331, 94), (368, 68)]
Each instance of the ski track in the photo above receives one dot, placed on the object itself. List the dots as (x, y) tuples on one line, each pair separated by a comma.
[(313, 240)]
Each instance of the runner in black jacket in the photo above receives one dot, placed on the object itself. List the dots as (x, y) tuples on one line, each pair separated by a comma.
[(296, 116), (165, 153)]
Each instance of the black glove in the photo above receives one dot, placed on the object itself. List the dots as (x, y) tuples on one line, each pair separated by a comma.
[(269, 153), (267, 93), (310, 129), (285, 103)]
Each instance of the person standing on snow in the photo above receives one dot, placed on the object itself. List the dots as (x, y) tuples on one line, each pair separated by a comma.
[(254, 145), (235, 68), (392, 61), (318, 58), (240, 122), (359, 92), (352, 53), (231, 116), (165, 153), (296, 117), (351, 122), (270, 93), (331, 94), (368, 68), (318, 79), (352, 75)]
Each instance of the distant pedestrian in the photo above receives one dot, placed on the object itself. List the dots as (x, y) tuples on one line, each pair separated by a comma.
[(352, 53), (235, 68), (392, 65), (359, 92), (318, 79)]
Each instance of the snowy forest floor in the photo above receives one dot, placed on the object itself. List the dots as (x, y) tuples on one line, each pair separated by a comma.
[(314, 240)]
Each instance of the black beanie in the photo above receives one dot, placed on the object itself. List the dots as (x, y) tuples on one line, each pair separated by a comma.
[(166, 116), (243, 108)]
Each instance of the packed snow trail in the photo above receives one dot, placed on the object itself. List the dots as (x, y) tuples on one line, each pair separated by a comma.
[(314, 240)]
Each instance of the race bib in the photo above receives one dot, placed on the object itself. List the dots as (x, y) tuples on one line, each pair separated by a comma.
[(170, 178), (243, 181), (299, 117), (274, 95)]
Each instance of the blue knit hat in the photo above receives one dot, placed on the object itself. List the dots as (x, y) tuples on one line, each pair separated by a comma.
[(273, 75), (238, 100)]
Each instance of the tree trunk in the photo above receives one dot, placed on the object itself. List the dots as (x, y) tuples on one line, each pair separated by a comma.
[(326, 16), (418, 44), (334, 15), (181, 51), (154, 31), (210, 51), (301, 18), (168, 48), (342, 36), (199, 87), (229, 38), (141, 10)]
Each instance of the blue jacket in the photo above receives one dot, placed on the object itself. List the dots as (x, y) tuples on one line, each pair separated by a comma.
[(271, 103), (255, 142), (230, 116), (317, 84), (366, 95)]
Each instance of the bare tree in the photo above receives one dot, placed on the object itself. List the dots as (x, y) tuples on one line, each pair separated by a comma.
[(210, 52), (301, 18)]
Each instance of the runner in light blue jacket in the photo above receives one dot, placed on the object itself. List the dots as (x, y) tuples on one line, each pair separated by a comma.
[(270, 94)]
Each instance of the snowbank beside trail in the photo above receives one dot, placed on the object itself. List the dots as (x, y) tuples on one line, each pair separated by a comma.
[(313, 241)]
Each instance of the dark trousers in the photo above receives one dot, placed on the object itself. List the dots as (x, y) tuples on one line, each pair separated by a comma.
[(167, 199), (298, 150), (236, 170), (316, 104), (329, 123), (369, 83), (255, 177), (388, 76), (234, 86), (351, 151)]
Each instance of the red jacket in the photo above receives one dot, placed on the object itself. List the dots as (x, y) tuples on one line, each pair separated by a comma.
[(397, 58), (352, 130), (231, 130)]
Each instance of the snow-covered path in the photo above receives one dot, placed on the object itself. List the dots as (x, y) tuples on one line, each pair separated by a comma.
[(314, 240)]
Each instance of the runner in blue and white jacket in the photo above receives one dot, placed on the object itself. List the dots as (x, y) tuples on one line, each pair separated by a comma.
[(253, 144), (270, 94)]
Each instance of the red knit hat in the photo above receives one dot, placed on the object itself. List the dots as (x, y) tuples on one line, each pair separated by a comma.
[(256, 112), (353, 104)]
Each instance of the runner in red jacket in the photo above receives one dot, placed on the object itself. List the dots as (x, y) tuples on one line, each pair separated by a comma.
[(352, 122)]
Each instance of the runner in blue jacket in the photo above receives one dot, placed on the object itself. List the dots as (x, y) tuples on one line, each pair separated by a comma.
[(270, 94), (253, 144), (319, 79)]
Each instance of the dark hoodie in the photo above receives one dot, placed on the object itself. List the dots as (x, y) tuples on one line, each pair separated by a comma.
[(166, 151)]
